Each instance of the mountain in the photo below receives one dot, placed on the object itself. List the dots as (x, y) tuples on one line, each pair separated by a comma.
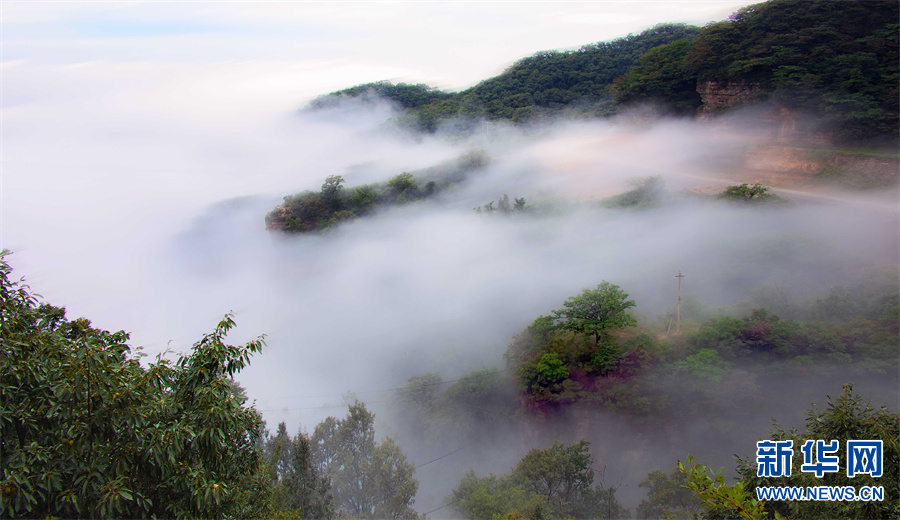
[(543, 84), (834, 60), (837, 61)]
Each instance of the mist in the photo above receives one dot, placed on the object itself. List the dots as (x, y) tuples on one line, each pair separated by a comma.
[(148, 217)]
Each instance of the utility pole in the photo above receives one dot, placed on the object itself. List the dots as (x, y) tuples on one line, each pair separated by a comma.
[(678, 320)]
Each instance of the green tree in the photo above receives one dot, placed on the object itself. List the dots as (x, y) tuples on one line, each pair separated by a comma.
[(403, 187), (297, 490), (485, 498), (278, 449), (368, 479), (309, 492), (332, 187), (557, 482), (668, 497), (662, 77), (88, 431), (551, 369), (747, 193), (561, 474), (597, 312), (721, 500), (847, 417)]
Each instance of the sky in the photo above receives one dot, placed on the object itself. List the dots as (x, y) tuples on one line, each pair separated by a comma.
[(141, 144)]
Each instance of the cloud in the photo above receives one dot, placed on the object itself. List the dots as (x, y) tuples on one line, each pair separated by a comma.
[(137, 171)]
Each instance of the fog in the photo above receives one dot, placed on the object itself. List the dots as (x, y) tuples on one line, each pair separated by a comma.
[(147, 216)]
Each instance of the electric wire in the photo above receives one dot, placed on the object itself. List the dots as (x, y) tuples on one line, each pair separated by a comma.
[(442, 507), (439, 458)]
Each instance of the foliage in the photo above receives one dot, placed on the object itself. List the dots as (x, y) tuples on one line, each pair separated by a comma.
[(368, 479), (503, 206), (761, 336), (847, 417), (596, 311), (472, 407), (556, 482), (331, 191), (668, 497), (720, 500), (88, 431), (747, 193), (662, 78), (485, 498), (310, 211), (556, 356), (477, 402), (647, 192), (838, 60), (546, 83), (297, 488), (715, 363)]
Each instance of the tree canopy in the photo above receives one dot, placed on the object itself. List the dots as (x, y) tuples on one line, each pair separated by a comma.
[(544, 83), (88, 431), (556, 482), (597, 312), (368, 479), (837, 60)]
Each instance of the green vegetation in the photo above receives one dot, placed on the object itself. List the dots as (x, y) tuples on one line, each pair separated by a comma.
[(719, 499), (546, 83), (471, 407), (503, 206), (845, 418), (647, 192), (837, 60), (368, 480), (668, 496), (557, 482), (298, 489), (597, 312), (311, 211), (320, 211), (88, 432), (556, 355), (746, 193), (592, 350)]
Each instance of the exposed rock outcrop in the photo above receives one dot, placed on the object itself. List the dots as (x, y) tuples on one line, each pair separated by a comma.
[(720, 95)]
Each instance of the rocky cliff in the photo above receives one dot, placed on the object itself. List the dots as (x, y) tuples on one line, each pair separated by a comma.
[(720, 95)]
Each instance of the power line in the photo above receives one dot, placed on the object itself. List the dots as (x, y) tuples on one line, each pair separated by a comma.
[(439, 458), (442, 507)]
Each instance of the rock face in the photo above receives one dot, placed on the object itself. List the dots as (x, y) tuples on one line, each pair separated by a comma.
[(277, 218), (720, 95)]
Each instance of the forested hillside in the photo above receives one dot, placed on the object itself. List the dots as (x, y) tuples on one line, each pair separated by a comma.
[(835, 60), (543, 84)]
